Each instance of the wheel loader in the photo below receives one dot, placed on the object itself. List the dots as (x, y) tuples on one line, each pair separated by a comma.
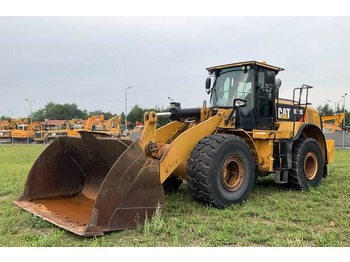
[(90, 184)]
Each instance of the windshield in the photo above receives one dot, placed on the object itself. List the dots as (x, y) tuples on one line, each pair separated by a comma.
[(230, 85)]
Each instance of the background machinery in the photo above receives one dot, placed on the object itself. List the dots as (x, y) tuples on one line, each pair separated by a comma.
[(110, 127), (8, 126), (50, 130), (63, 129), (88, 126), (26, 135), (334, 123), (135, 133), (94, 184)]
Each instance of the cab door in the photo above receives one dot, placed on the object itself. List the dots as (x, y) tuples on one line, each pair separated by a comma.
[(265, 99)]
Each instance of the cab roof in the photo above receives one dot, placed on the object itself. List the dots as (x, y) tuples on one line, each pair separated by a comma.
[(261, 64)]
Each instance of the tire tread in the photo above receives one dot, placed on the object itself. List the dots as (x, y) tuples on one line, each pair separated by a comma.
[(199, 162)]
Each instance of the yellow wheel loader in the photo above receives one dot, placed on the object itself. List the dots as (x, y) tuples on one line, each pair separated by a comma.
[(92, 184)]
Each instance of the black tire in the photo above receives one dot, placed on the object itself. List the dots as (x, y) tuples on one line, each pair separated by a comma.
[(220, 170), (308, 164), (171, 184)]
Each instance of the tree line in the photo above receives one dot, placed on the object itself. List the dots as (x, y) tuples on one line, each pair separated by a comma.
[(69, 111), (65, 111)]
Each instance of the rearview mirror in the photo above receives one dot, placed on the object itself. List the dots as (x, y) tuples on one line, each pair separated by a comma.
[(209, 82), (239, 102), (278, 83)]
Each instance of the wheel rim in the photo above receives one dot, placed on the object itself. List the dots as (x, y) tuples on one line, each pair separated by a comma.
[(232, 173), (310, 165)]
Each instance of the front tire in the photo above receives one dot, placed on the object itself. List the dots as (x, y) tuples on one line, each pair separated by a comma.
[(220, 170), (307, 168)]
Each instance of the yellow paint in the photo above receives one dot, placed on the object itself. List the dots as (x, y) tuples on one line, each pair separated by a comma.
[(182, 146), (330, 151)]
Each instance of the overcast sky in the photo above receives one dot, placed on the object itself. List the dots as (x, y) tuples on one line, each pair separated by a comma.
[(91, 60)]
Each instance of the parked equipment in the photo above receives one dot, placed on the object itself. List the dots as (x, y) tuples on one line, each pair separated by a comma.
[(63, 129), (334, 123), (7, 126), (111, 127), (135, 134), (93, 184), (50, 130), (26, 135), (88, 126)]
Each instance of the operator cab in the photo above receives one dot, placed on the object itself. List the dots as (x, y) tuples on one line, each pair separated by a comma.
[(253, 82)]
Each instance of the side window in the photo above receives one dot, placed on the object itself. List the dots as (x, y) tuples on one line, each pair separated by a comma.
[(244, 89), (265, 89), (226, 88), (261, 80), (265, 96)]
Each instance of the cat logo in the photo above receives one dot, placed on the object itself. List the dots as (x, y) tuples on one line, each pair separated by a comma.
[(284, 113)]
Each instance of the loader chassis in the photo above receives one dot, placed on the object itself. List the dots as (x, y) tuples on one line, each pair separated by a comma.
[(246, 132)]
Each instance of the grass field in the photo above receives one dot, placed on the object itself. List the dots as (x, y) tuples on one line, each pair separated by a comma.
[(272, 216)]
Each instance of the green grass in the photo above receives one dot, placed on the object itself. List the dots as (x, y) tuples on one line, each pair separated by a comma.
[(272, 216)]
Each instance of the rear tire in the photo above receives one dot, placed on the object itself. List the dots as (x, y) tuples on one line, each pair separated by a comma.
[(220, 170), (307, 167)]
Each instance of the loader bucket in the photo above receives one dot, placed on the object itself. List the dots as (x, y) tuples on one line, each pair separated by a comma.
[(91, 185)]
